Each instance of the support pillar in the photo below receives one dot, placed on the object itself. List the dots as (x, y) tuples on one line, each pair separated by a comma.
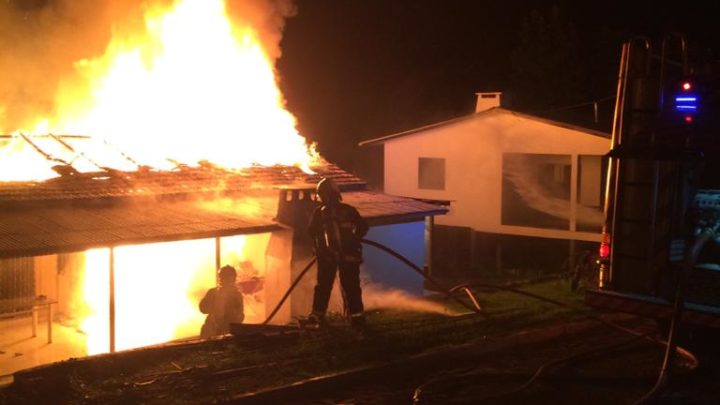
[(217, 257), (112, 300), (574, 171), (473, 252), (429, 225)]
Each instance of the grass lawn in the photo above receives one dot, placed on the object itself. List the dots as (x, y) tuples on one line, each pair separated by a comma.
[(224, 367)]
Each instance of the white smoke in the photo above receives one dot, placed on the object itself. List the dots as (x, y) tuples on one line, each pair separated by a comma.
[(523, 176), (376, 296)]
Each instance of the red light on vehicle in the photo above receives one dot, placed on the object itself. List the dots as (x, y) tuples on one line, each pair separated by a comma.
[(604, 250), (687, 86), (688, 119)]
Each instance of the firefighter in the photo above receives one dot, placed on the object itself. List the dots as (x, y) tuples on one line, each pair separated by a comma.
[(223, 304), (337, 229)]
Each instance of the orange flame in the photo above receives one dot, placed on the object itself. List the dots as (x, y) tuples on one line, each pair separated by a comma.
[(193, 87), (158, 288), (19, 161)]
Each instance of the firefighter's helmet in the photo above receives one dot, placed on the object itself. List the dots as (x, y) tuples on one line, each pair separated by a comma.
[(227, 272), (328, 191)]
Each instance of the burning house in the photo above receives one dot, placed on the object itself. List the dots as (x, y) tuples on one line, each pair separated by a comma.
[(187, 161), (122, 258)]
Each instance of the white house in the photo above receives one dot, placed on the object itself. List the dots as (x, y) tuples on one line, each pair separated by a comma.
[(503, 174)]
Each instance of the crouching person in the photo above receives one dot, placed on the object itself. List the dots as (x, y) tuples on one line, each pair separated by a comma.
[(223, 305)]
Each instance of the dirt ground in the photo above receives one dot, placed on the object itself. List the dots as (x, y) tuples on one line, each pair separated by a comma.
[(617, 369)]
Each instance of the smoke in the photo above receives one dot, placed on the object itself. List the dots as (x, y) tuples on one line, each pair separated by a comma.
[(40, 40), (267, 17), (376, 296), (43, 41), (523, 176)]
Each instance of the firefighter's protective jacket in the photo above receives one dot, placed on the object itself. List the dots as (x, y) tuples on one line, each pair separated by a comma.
[(223, 306), (337, 230)]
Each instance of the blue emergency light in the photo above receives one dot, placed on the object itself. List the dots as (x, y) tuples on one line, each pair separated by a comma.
[(686, 102)]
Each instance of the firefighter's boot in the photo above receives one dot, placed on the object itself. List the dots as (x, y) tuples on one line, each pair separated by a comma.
[(357, 321), (313, 321)]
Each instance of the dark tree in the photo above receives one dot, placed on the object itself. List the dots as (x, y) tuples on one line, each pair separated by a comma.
[(547, 71)]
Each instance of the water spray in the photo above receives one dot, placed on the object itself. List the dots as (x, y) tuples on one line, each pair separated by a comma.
[(413, 266)]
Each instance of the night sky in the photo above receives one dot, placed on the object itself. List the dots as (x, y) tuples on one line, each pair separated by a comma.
[(354, 70)]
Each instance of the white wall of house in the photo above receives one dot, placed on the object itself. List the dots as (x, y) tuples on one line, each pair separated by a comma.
[(473, 150)]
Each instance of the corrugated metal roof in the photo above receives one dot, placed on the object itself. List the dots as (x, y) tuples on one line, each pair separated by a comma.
[(82, 165), (185, 181), (39, 231), (379, 208), (69, 228), (80, 211)]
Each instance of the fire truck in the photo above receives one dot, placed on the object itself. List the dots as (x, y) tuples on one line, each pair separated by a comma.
[(660, 250)]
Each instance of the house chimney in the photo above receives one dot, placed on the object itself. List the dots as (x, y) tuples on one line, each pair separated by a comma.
[(486, 101), (295, 205)]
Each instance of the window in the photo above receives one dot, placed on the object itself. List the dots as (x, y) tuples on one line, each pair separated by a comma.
[(591, 192), (431, 173), (590, 180), (536, 190), (17, 278)]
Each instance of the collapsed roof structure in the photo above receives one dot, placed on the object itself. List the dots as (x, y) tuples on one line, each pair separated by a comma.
[(107, 207)]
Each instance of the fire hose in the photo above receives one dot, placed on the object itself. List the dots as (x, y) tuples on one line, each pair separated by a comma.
[(420, 271), (671, 346), (700, 241), (393, 253), (418, 394)]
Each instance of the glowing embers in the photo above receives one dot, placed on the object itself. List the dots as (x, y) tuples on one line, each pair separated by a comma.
[(38, 157)]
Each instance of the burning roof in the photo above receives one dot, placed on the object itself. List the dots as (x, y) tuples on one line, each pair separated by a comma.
[(184, 180), (189, 136), (107, 207)]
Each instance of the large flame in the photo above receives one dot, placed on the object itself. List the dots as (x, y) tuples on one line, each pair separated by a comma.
[(192, 86), (19, 161), (158, 288), (156, 293)]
